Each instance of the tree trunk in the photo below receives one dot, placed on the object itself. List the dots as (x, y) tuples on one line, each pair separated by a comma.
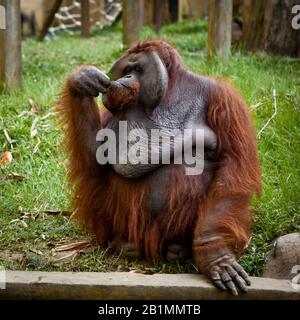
[(132, 21), (10, 45), (196, 9), (268, 27), (2, 43), (219, 29), (150, 14), (49, 9), (85, 18)]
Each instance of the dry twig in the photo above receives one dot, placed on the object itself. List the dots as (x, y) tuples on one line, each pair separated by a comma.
[(272, 116)]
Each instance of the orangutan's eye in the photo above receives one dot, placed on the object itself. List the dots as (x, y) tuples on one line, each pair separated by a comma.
[(127, 70), (138, 68)]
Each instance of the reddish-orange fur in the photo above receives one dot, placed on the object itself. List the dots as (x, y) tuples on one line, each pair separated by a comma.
[(225, 210), (114, 207)]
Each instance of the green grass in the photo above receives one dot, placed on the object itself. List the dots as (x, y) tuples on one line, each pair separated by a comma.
[(41, 161)]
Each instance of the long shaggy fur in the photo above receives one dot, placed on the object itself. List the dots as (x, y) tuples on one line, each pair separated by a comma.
[(115, 208)]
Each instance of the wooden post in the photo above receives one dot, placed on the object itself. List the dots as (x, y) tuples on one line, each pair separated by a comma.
[(2, 15), (10, 45), (219, 29), (196, 9), (267, 27), (133, 16), (152, 7), (158, 15), (52, 8), (176, 9), (85, 18), (2, 49)]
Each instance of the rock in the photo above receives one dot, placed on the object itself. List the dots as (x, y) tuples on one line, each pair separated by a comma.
[(283, 261)]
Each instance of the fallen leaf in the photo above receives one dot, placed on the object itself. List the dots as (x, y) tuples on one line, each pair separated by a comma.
[(62, 241), (33, 105), (33, 131), (39, 252), (74, 214), (24, 223), (57, 212), (137, 271), (14, 220), (14, 177), (19, 221), (6, 158), (33, 109), (49, 114), (17, 257), (64, 257), (27, 215), (73, 246)]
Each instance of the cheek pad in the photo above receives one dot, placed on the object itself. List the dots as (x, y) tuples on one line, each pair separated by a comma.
[(154, 81)]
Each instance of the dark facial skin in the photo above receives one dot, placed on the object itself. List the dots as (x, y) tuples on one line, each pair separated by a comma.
[(148, 71)]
